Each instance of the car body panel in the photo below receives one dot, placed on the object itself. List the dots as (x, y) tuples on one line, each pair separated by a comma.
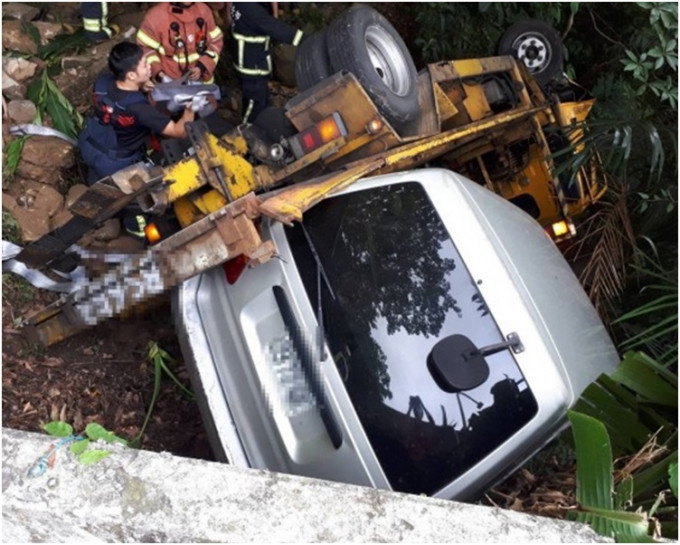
[(232, 336)]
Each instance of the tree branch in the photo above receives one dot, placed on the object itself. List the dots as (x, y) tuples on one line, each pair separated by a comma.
[(611, 40)]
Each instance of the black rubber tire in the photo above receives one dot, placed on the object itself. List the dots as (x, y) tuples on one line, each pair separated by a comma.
[(364, 43), (539, 46), (311, 61)]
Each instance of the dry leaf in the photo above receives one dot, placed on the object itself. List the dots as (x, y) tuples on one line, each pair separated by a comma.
[(52, 362), (78, 420), (530, 477)]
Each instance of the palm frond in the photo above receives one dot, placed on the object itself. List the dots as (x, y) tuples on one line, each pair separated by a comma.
[(609, 240)]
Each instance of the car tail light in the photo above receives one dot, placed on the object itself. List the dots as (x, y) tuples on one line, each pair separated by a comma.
[(328, 129), (234, 267)]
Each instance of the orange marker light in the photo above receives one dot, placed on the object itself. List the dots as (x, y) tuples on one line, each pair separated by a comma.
[(152, 233), (560, 228), (328, 129)]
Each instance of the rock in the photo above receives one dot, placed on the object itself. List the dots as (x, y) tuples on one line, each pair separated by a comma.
[(60, 218), (33, 166), (21, 111), (128, 20), (21, 12), (48, 31), (34, 208), (75, 62), (32, 225), (9, 203), (74, 193), (79, 74), (20, 70), (67, 12), (76, 85), (42, 198), (125, 244), (108, 231), (15, 39), (12, 89)]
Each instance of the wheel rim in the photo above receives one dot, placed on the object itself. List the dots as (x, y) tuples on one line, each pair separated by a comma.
[(387, 60), (534, 50)]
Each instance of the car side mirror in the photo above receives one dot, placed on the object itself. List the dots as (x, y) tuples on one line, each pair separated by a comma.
[(456, 364)]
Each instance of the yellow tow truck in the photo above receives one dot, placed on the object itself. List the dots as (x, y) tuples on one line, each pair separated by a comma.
[(486, 118)]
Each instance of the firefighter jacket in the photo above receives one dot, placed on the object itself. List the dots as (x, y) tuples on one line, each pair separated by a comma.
[(253, 29), (180, 38)]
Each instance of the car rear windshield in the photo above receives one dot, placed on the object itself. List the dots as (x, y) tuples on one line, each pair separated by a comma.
[(395, 286)]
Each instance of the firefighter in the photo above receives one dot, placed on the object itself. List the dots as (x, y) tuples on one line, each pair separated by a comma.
[(253, 27), (181, 38), (95, 22), (118, 134)]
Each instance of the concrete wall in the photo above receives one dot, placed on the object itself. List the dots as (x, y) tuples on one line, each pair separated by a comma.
[(150, 497)]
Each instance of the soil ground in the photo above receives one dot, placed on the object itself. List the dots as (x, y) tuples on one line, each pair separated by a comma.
[(101, 375)]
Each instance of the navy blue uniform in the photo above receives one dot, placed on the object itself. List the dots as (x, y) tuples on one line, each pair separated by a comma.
[(253, 29), (118, 135)]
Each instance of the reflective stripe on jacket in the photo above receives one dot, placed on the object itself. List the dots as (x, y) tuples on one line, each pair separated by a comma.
[(177, 40), (95, 15), (253, 29)]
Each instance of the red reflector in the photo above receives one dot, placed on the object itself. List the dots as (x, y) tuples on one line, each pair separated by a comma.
[(308, 142), (234, 267)]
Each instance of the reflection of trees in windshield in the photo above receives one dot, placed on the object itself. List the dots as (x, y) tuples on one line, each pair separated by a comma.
[(421, 456), (381, 251), (481, 304), (387, 254)]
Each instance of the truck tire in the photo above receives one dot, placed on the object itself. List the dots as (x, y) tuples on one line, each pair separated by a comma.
[(364, 43), (538, 45), (311, 61)]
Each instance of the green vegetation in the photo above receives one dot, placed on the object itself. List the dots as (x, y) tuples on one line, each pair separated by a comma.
[(10, 228), (49, 100), (625, 425), (161, 361), (15, 287), (80, 447), (13, 154), (64, 44)]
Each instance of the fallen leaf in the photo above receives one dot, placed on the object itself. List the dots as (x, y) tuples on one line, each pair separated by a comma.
[(52, 362), (78, 420), (27, 407), (530, 477)]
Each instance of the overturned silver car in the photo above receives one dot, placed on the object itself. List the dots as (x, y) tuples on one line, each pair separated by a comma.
[(417, 333)]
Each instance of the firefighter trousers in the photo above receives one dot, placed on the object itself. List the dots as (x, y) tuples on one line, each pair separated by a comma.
[(255, 96)]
